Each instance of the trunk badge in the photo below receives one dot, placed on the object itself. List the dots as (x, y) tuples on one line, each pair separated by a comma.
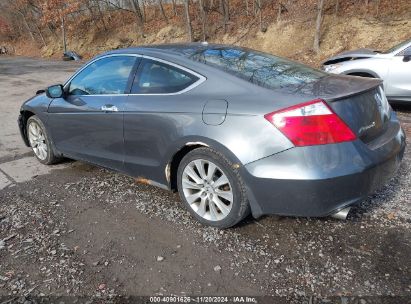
[(365, 128)]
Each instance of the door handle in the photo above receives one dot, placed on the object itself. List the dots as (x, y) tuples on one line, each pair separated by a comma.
[(109, 108)]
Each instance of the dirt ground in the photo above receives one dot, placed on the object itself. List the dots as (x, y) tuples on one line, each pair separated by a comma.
[(78, 230)]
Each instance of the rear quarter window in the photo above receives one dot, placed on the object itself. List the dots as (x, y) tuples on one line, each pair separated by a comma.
[(262, 69), (156, 77)]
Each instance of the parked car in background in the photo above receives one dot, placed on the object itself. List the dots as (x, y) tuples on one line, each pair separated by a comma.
[(71, 55), (231, 129), (393, 66)]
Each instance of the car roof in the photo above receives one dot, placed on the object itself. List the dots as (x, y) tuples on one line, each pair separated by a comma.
[(177, 53), (176, 49)]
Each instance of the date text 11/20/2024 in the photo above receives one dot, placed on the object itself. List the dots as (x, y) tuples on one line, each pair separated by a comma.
[(202, 299)]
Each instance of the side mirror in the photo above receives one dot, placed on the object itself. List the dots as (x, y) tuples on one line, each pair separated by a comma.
[(55, 91)]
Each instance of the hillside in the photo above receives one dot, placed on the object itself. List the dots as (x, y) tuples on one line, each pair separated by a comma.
[(351, 24)]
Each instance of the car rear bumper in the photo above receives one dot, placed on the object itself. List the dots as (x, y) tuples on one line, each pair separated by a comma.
[(317, 181)]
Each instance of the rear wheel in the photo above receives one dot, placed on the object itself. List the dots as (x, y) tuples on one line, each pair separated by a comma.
[(212, 188), (40, 142)]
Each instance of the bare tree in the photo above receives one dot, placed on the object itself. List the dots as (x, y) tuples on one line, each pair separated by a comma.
[(100, 13), (281, 9), (188, 20), (40, 34), (173, 2), (203, 19), (279, 12), (317, 35), (225, 10), (26, 24), (63, 29), (139, 17), (260, 14), (160, 6), (143, 10)]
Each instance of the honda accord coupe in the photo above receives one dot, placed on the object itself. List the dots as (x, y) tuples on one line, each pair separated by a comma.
[(231, 129)]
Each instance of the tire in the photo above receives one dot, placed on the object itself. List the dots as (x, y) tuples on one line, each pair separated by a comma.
[(203, 197), (40, 142)]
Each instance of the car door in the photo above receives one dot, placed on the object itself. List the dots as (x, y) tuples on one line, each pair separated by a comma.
[(159, 109), (398, 84), (87, 123)]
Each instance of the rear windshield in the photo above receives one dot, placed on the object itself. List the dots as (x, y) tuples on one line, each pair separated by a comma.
[(259, 68)]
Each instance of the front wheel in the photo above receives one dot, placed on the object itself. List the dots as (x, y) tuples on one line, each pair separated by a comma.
[(40, 142), (212, 189)]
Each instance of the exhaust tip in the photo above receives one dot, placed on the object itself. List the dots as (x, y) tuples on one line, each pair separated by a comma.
[(342, 214)]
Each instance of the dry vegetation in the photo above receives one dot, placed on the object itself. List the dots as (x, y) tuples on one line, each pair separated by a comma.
[(287, 28)]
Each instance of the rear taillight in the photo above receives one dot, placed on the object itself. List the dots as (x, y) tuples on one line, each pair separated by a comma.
[(311, 123)]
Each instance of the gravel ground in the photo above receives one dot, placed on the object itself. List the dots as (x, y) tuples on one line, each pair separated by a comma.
[(85, 231)]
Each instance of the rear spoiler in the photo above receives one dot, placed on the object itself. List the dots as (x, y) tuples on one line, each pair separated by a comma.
[(356, 86)]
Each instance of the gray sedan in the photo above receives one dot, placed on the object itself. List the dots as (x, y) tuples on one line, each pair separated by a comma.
[(393, 66), (231, 129)]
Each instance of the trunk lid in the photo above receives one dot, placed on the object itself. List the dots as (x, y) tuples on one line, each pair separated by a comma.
[(359, 101)]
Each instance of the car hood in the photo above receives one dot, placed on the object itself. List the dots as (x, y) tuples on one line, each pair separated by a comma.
[(348, 55)]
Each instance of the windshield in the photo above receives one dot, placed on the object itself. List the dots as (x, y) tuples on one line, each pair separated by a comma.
[(259, 68), (397, 47)]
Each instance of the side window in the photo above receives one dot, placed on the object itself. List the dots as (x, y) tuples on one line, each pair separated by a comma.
[(157, 77), (105, 76)]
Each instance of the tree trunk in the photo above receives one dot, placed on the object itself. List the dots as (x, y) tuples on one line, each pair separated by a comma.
[(317, 35), (366, 7), (260, 14), (52, 32), (142, 10), (203, 19), (139, 17), (174, 7), (101, 15), (63, 30), (337, 7), (160, 6), (40, 34), (279, 13), (225, 9), (27, 26), (246, 7), (188, 20)]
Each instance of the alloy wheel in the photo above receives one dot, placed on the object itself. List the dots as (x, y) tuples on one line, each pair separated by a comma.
[(207, 189), (37, 140)]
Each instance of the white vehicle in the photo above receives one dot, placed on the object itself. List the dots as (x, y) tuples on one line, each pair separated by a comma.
[(392, 66)]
